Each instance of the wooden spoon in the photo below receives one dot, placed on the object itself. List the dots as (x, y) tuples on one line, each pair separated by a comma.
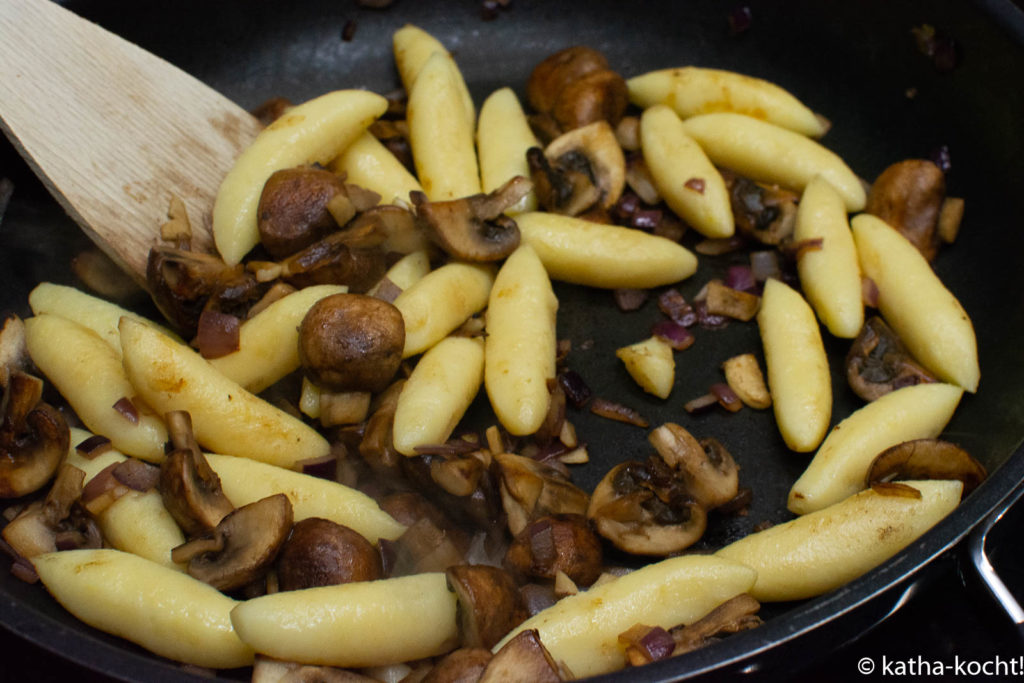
[(113, 131)]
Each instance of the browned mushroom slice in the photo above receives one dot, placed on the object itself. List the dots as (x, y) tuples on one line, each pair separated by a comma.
[(351, 342), (13, 351), (908, 195), (524, 659), (645, 509), (927, 459), (34, 437), (464, 665), (530, 489), (878, 362), (557, 543), (242, 547), (711, 473), (474, 228), (766, 213), (54, 523), (320, 552), (489, 603), (353, 257), (580, 169), (733, 615), (293, 209), (184, 283), (377, 446), (189, 487)]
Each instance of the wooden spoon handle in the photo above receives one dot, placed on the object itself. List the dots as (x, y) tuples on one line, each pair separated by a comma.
[(112, 130)]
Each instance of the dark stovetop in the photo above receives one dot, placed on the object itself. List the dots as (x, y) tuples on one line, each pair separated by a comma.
[(948, 619)]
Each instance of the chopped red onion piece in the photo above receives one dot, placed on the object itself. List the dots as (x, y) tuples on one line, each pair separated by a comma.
[(701, 403), (726, 397), (672, 304), (765, 265), (869, 292), (217, 334), (95, 445), (630, 299), (695, 184), (709, 320), (645, 219), (618, 412), (23, 569), (576, 390), (741, 278), (67, 540), (136, 475), (658, 643), (740, 19), (673, 334), (537, 597), (324, 467), (348, 31), (627, 205), (387, 290), (127, 409), (940, 157), (102, 490)]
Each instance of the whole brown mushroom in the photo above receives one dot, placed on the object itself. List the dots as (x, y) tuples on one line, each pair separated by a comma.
[(489, 603), (351, 342), (293, 209), (34, 437), (320, 552), (557, 543)]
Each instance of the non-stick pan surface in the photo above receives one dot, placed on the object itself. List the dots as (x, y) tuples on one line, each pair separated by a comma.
[(857, 63)]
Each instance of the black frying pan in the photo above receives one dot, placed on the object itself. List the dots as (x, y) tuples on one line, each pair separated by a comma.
[(857, 63)]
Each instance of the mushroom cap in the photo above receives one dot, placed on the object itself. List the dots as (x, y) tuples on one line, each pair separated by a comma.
[(926, 459), (558, 71), (351, 342), (242, 547), (878, 362), (34, 437), (320, 552), (643, 509), (711, 474), (293, 213), (584, 166), (908, 195), (464, 665), (531, 489), (523, 658)]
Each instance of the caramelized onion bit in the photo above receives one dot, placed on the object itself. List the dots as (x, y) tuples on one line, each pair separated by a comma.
[(672, 304), (646, 644), (765, 264), (726, 397), (618, 412), (137, 475), (895, 489), (324, 467), (127, 409), (217, 334), (630, 299), (94, 446), (575, 388), (673, 334)]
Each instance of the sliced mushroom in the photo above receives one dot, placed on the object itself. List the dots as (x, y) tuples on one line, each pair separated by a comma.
[(34, 437), (557, 543), (464, 665), (189, 487), (489, 603), (524, 659), (242, 547), (878, 362), (353, 257), (320, 552), (766, 213), (55, 523), (733, 615), (531, 489), (351, 342), (293, 209), (480, 509), (432, 538), (711, 473), (579, 169), (377, 446), (908, 195), (184, 283), (13, 351), (474, 228), (646, 509), (926, 459)]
